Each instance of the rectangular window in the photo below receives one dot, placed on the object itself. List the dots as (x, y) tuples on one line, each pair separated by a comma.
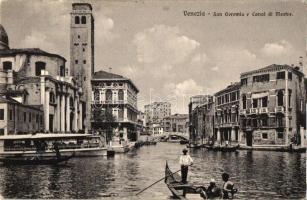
[(289, 75), (280, 135), (1, 114), (24, 116), (37, 118), (30, 117), (11, 114), (62, 70), (261, 78), (255, 103), (39, 66), (76, 61), (244, 81), (264, 102), (84, 61), (7, 65), (280, 75), (289, 98), (1, 131), (264, 135)]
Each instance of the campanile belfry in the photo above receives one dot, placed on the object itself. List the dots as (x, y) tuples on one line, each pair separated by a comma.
[(82, 53)]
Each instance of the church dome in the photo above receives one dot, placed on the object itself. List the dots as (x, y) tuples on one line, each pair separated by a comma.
[(4, 39)]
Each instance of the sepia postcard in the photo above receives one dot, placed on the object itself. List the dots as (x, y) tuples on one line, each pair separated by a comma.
[(153, 99)]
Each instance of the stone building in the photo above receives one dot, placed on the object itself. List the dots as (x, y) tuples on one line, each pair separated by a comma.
[(202, 122), (116, 95), (40, 79), (227, 114), (156, 111), (82, 53), (272, 106), (176, 123)]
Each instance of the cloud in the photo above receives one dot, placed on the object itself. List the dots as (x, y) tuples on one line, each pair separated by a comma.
[(185, 88), (104, 28), (280, 48), (163, 44), (199, 58)]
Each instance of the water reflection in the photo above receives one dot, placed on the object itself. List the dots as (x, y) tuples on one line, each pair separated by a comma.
[(257, 174)]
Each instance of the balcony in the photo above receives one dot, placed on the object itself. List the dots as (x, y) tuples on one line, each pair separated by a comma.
[(263, 110), (242, 112), (254, 111), (279, 109)]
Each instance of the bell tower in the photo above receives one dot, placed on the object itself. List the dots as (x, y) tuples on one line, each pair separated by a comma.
[(82, 54)]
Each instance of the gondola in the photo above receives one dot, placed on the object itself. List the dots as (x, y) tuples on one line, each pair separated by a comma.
[(184, 141), (180, 190), (36, 160), (222, 148)]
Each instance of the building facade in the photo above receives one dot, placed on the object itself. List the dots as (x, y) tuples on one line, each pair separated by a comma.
[(176, 123), (117, 96), (272, 106), (227, 114), (40, 79), (156, 111)]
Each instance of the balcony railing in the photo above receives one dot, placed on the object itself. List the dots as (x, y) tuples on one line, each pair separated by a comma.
[(279, 109), (243, 112), (263, 110), (254, 111)]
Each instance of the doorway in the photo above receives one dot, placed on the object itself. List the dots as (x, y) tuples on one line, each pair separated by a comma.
[(249, 138)]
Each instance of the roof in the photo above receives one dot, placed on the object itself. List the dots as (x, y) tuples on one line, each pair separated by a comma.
[(43, 136), (4, 39), (177, 116), (273, 67), (4, 99), (28, 51), (107, 76), (231, 87)]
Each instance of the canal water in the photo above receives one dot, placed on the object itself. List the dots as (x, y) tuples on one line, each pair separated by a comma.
[(257, 174)]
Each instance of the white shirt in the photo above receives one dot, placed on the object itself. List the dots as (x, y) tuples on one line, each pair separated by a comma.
[(185, 160)]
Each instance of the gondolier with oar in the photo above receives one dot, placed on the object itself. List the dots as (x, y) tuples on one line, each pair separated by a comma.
[(185, 161)]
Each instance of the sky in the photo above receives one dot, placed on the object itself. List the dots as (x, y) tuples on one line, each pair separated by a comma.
[(168, 56)]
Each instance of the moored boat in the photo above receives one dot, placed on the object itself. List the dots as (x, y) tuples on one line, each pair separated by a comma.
[(222, 148), (28, 146), (37, 160)]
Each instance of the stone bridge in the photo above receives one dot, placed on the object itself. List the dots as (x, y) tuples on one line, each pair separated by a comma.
[(168, 134)]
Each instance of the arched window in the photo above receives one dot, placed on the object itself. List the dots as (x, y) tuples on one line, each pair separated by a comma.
[(120, 95), (7, 65), (96, 96), (52, 97), (83, 20), (71, 102), (244, 101), (280, 98), (77, 20), (109, 96), (39, 66)]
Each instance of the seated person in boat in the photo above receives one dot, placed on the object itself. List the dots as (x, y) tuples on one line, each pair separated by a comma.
[(213, 190), (228, 187), (185, 161)]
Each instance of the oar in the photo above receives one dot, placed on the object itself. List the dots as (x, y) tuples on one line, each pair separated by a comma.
[(155, 183)]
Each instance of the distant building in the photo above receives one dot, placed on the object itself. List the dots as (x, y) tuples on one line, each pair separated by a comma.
[(195, 101), (156, 111), (227, 114), (202, 122), (176, 123), (38, 79), (156, 129), (115, 96), (272, 106)]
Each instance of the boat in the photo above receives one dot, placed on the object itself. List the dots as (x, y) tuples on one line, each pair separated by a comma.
[(180, 190), (194, 146), (27, 145), (184, 141), (222, 148), (37, 160)]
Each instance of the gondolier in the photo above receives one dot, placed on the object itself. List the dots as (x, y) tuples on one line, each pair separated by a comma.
[(185, 161)]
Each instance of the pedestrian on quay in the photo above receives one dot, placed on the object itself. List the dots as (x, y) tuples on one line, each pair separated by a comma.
[(185, 161)]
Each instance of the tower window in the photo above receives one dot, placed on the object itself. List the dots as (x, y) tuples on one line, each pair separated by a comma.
[(84, 78), (39, 66), (83, 49), (83, 20), (76, 61), (79, 36), (84, 61), (7, 65), (77, 20), (62, 71)]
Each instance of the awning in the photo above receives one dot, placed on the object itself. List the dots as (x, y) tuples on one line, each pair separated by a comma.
[(259, 95)]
